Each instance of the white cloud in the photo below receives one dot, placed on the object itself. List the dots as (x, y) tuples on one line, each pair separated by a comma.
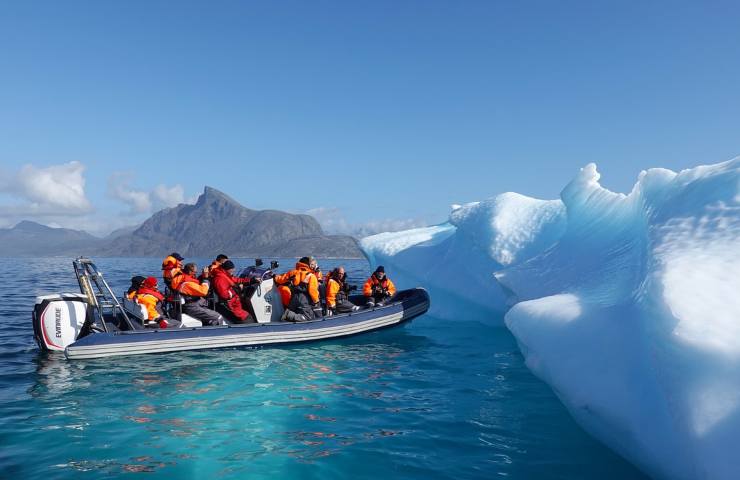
[(137, 200), (57, 190), (55, 196), (332, 221), (164, 197), (141, 201)]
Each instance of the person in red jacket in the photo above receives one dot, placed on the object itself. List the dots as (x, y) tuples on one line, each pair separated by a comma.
[(210, 271), (228, 290), (378, 289)]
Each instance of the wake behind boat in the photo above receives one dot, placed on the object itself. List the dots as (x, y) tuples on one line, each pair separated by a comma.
[(94, 323)]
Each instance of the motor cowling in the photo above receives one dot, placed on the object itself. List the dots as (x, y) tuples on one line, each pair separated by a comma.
[(58, 319), (266, 302)]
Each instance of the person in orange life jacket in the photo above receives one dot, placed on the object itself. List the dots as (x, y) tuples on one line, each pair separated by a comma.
[(135, 284), (228, 290), (378, 289), (194, 292), (337, 293), (210, 270), (319, 277), (171, 266), (283, 280), (148, 295), (304, 288), (315, 269)]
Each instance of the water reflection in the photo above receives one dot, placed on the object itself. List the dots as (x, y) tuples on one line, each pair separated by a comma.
[(56, 376), (266, 401)]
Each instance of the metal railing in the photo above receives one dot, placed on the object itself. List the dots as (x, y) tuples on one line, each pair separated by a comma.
[(99, 294)]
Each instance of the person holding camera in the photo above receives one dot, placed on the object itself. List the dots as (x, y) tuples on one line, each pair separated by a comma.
[(228, 289), (378, 289), (194, 292), (210, 270), (337, 293)]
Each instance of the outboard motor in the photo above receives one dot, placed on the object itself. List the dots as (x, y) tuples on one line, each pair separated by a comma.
[(58, 320)]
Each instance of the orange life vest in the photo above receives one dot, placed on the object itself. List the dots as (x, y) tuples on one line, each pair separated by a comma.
[(301, 274), (373, 281)]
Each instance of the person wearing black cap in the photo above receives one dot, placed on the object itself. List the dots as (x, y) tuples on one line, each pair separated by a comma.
[(227, 289), (135, 284), (171, 266), (378, 289)]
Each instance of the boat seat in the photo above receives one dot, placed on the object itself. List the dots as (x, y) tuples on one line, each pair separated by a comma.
[(139, 313)]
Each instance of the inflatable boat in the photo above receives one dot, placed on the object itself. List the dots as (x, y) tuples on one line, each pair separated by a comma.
[(95, 323)]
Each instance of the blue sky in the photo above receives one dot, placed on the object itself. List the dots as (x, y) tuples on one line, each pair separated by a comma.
[(370, 111)]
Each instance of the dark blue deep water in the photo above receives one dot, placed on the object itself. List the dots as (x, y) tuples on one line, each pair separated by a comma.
[(430, 399)]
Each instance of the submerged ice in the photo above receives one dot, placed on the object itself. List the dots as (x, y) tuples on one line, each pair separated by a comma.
[(627, 305)]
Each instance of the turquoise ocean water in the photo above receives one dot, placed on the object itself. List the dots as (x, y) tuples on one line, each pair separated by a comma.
[(430, 399)]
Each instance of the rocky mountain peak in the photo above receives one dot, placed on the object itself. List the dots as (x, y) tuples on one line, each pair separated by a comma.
[(216, 223), (31, 227), (211, 195)]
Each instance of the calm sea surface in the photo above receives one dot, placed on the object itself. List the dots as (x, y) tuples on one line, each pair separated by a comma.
[(430, 399)]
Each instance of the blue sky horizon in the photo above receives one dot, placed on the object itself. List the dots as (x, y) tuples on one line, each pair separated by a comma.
[(375, 115)]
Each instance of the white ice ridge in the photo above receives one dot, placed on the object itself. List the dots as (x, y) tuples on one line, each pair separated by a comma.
[(627, 305)]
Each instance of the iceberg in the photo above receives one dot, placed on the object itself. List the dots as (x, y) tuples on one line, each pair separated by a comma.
[(455, 261), (627, 305)]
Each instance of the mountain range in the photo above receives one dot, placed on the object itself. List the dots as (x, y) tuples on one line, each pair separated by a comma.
[(216, 223)]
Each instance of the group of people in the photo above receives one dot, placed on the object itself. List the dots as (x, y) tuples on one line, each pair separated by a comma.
[(305, 292), (303, 289)]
